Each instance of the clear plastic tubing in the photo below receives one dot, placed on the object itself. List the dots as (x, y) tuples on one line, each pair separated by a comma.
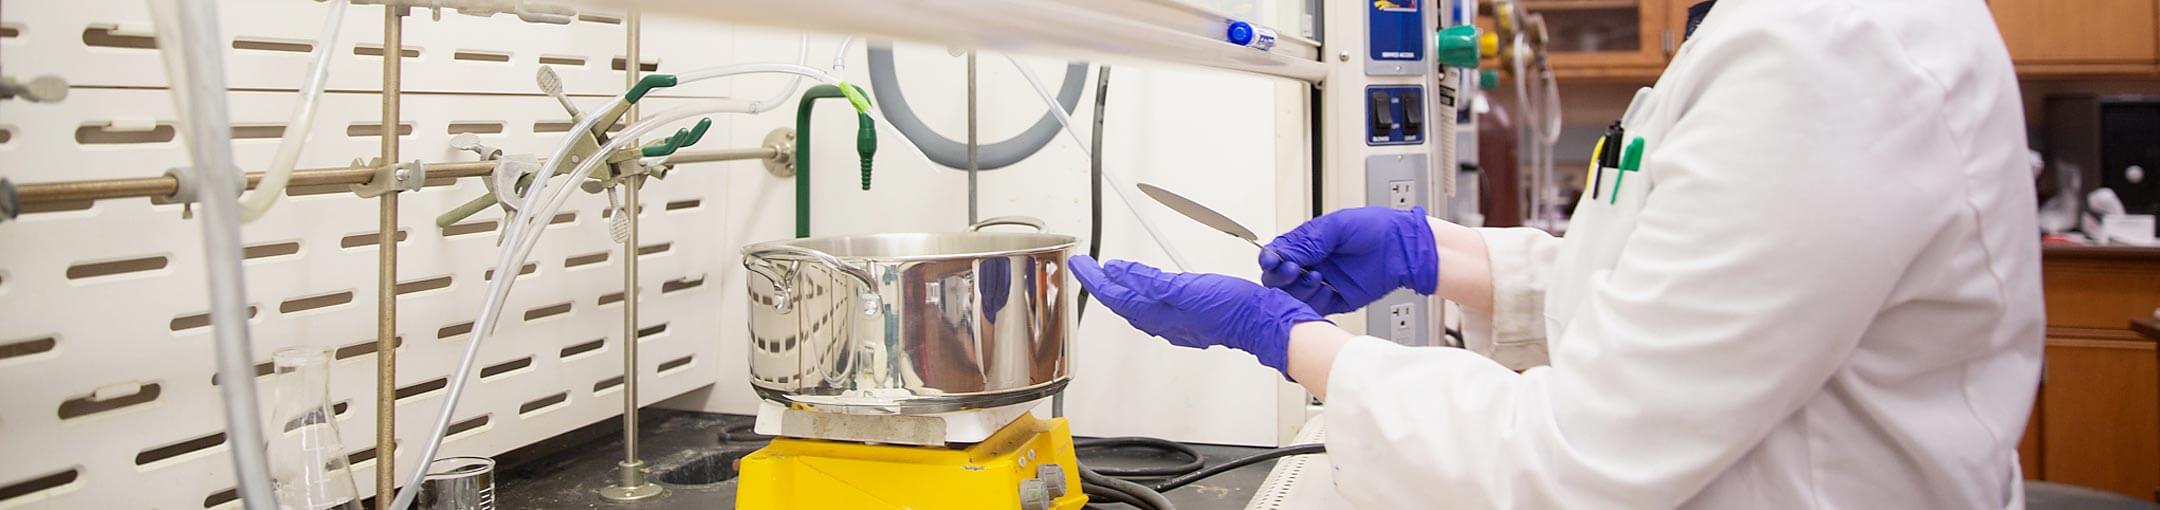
[(210, 150), (563, 150), (769, 67), (1116, 183), (802, 58), (839, 56), (681, 78), (254, 204), (524, 229), (524, 233), (165, 19)]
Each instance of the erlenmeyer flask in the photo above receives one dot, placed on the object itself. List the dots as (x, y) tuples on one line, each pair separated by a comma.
[(307, 458)]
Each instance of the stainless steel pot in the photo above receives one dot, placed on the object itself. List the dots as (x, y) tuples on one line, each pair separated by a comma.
[(910, 323)]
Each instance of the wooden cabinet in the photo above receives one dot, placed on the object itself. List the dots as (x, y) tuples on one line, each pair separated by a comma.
[(1603, 40), (2080, 37), (1632, 40), (2097, 422), (2102, 417), (1593, 38)]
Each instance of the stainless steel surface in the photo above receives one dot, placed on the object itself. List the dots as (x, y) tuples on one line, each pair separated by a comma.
[(782, 161), (786, 298), (1199, 213), (909, 323), (629, 214), (1212, 219), (458, 483), (386, 258), (881, 429), (630, 483), (1024, 221)]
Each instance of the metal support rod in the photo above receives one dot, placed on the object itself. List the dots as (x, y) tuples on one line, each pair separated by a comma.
[(630, 261), (973, 147), (768, 152), (35, 195), (630, 483), (386, 275), (631, 208)]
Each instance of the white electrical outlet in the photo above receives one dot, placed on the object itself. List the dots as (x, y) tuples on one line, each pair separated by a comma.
[(1402, 194), (1399, 322)]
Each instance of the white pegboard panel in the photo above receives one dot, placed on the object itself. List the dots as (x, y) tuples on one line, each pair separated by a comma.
[(114, 335), (109, 43)]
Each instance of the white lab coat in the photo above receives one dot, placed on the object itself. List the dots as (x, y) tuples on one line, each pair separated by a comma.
[(1822, 290)]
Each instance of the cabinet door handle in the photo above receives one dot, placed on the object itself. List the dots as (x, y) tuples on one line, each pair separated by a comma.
[(1665, 41)]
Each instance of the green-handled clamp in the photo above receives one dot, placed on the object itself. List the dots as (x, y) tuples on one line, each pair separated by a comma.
[(586, 144), (683, 138)]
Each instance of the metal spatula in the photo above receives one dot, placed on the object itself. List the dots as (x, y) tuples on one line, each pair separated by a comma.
[(1212, 219)]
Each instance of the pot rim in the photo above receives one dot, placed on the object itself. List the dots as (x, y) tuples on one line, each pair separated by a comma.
[(1061, 243)]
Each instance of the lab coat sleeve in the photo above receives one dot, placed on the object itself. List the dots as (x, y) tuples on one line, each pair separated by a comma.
[(1514, 334), (1774, 232)]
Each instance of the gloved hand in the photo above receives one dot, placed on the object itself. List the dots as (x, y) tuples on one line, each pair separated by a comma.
[(1196, 309), (1363, 254)]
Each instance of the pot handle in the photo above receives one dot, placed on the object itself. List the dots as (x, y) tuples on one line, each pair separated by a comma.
[(1025, 221), (768, 254)]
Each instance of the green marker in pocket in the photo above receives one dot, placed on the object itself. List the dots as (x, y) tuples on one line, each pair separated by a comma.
[(1629, 162)]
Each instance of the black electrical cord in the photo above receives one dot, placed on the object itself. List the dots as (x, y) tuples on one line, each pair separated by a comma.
[(1195, 463), (1102, 92), (1139, 496), (1100, 494), (1181, 481), (742, 433)]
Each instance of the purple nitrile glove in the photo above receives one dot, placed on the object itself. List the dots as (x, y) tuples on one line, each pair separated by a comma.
[(1362, 254), (1197, 309)]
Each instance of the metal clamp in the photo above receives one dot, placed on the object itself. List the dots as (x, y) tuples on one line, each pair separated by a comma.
[(9, 204), (392, 178), (185, 192), (526, 10), (183, 189), (768, 254), (782, 142), (1025, 221), (42, 89), (471, 142)]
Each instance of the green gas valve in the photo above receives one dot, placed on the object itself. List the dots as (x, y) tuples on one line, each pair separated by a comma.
[(1457, 46)]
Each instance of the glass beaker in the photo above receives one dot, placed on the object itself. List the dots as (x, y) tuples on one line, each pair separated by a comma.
[(307, 457), (459, 483)]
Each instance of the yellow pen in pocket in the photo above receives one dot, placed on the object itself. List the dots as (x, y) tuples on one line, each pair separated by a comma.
[(1597, 158)]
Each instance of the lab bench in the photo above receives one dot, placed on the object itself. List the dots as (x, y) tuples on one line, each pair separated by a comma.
[(2097, 420), (693, 456)]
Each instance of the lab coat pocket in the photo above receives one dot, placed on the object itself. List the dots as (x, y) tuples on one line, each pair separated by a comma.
[(1619, 212), (1595, 239)]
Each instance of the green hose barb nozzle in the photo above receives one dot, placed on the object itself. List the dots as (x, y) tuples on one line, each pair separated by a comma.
[(865, 144), (865, 130)]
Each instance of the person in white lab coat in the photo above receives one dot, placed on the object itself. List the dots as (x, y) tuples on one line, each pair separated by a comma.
[(1817, 286)]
